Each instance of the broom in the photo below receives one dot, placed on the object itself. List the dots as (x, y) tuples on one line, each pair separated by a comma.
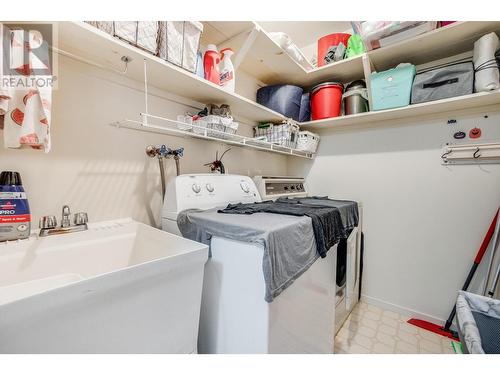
[(445, 330)]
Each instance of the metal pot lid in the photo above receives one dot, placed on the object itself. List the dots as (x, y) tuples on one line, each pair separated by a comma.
[(326, 84), (356, 85)]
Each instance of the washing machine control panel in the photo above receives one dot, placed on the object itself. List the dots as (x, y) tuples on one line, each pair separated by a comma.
[(204, 191)]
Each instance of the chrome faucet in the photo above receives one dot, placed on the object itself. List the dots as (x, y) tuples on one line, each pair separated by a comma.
[(48, 224), (65, 221)]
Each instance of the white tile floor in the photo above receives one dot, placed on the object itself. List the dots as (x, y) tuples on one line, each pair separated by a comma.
[(370, 329)]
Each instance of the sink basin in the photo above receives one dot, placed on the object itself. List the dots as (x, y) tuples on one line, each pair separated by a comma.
[(120, 287)]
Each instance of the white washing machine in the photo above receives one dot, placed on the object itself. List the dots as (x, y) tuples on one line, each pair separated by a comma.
[(235, 318), (348, 259)]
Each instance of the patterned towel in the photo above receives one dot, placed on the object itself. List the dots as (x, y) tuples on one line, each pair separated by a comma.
[(26, 110)]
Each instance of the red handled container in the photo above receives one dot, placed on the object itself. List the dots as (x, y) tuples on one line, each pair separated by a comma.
[(326, 99), (327, 46), (211, 61)]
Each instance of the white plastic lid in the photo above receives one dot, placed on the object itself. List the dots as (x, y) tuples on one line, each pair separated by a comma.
[(212, 47)]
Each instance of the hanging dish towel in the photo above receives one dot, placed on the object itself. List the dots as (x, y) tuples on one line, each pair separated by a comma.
[(26, 110)]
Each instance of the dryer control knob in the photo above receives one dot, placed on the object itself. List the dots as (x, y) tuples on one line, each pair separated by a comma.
[(244, 186), (210, 188), (196, 188)]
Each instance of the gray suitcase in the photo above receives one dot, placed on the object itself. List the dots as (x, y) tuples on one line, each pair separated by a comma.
[(443, 82)]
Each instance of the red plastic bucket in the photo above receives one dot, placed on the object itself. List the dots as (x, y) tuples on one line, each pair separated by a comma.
[(326, 99), (327, 46)]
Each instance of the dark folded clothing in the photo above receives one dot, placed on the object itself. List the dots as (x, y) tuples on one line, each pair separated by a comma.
[(348, 209), (326, 221)]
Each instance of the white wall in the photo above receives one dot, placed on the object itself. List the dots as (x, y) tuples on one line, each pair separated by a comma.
[(423, 222), (97, 168)]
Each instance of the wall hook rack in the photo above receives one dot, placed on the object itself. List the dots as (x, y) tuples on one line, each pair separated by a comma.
[(472, 153)]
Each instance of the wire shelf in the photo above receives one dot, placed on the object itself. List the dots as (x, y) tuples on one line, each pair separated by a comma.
[(170, 127)]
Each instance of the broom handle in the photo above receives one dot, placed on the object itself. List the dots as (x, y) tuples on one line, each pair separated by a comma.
[(477, 260), (492, 256)]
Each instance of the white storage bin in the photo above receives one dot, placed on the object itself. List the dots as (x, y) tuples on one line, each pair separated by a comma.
[(307, 141), (202, 124), (181, 120), (220, 124), (179, 42), (142, 34)]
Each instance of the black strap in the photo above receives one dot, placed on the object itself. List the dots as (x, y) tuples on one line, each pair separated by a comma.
[(441, 83)]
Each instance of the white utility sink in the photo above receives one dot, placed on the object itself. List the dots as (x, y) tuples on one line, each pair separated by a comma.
[(120, 287)]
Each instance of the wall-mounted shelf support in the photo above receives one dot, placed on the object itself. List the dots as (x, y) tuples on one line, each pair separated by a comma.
[(240, 56), (474, 153)]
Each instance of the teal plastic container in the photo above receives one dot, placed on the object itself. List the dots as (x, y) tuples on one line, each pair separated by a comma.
[(392, 88)]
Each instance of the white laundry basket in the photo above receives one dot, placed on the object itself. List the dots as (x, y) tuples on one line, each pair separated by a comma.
[(179, 42), (307, 141)]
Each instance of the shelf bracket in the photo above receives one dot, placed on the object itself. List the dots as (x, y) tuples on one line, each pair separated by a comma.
[(368, 69), (240, 56)]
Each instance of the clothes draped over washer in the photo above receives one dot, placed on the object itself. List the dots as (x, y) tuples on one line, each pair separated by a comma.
[(285, 232), (348, 209), (326, 221), (350, 220), (288, 243)]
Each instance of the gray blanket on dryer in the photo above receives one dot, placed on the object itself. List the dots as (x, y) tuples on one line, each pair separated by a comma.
[(288, 241)]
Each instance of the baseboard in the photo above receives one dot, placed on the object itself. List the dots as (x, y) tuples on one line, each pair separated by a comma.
[(401, 310)]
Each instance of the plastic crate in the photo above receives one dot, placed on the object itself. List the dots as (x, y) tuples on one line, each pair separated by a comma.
[(308, 141)]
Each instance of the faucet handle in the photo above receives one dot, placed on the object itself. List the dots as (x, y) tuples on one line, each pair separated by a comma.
[(65, 219), (47, 222), (80, 218)]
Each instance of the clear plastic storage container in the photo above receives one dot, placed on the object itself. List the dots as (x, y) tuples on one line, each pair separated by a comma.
[(376, 34)]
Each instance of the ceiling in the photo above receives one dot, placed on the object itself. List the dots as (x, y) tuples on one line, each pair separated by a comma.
[(304, 33)]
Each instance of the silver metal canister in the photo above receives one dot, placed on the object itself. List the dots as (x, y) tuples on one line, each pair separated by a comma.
[(355, 98)]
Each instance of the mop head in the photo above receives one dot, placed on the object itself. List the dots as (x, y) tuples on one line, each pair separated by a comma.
[(431, 327)]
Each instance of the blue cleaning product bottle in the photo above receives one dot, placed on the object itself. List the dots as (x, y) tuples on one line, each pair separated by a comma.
[(15, 217)]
